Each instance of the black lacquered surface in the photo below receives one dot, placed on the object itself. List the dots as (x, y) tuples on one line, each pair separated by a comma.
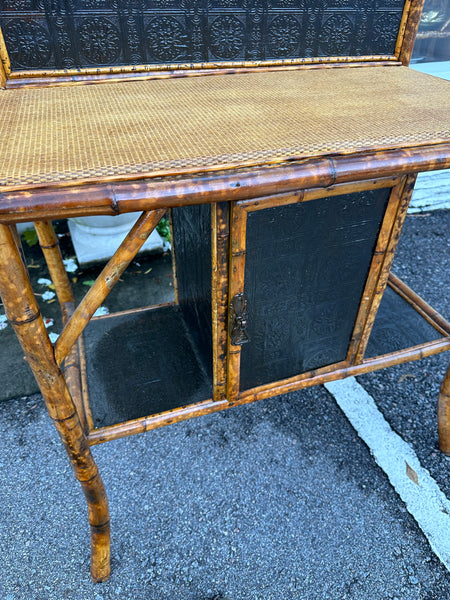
[(398, 326), (305, 270), (191, 247), (141, 364), (42, 34)]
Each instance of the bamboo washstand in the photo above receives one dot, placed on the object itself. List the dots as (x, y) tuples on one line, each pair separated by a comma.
[(283, 140)]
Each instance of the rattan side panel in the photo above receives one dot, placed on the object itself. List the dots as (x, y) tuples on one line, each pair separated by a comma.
[(191, 227), (305, 270), (91, 33)]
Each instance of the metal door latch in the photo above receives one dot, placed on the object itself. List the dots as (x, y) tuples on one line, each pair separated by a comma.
[(238, 320)]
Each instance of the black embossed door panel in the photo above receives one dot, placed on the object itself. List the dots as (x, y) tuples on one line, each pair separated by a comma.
[(305, 269), (46, 34)]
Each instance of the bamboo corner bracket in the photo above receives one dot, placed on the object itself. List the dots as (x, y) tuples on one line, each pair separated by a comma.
[(326, 148)]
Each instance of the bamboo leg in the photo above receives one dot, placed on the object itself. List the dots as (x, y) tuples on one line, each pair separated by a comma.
[(23, 313), (444, 414), (49, 243)]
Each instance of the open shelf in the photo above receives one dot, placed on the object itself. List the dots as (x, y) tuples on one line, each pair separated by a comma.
[(141, 363), (145, 362), (401, 324)]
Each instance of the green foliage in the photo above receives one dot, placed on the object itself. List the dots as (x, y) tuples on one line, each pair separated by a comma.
[(30, 237), (163, 228)]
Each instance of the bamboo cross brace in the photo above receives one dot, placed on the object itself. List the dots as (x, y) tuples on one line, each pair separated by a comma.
[(49, 243), (444, 414), (106, 281), (406, 193)]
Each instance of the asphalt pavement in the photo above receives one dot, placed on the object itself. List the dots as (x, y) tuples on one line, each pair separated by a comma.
[(280, 499)]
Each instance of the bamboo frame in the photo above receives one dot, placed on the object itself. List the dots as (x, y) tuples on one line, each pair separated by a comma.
[(402, 28), (106, 281), (247, 187), (5, 65), (23, 312), (408, 30), (49, 244), (316, 377), (220, 247), (444, 414), (235, 286), (364, 316), (379, 269), (425, 310), (381, 266), (51, 80), (107, 197), (404, 197), (19, 79), (174, 262), (80, 76)]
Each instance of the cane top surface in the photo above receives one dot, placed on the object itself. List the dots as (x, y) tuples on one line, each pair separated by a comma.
[(141, 129)]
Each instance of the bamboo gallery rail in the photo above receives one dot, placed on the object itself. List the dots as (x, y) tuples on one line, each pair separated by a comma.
[(282, 239)]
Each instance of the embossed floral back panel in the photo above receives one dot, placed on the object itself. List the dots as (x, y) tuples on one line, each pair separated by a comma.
[(55, 34)]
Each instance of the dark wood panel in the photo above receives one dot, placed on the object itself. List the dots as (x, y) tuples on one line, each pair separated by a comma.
[(306, 266), (140, 364), (191, 227), (89, 33)]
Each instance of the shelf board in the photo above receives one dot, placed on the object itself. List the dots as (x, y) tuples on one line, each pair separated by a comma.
[(141, 363), (397, 326)]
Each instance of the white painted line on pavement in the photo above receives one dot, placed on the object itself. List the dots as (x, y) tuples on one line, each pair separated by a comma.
[(424, 500)]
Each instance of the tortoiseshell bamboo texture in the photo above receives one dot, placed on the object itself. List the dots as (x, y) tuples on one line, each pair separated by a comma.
[(220, 243), (113, 198), (49, 243), (23, 313), (403, 195), (444, 414), (408, 30)]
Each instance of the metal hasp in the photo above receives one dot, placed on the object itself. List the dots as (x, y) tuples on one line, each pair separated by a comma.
[(238, 320)]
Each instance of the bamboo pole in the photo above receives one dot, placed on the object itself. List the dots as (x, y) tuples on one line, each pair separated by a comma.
[(172, 69), (23, 313), (236, 286), (369, 293), (18, 241), (49, 244), (48, 79), (404, 194), (5, 65), (402, 28), (174, 262), (117, 194), (423, 308), (410, 31), (444, 414), (220, 243), (106, 281)]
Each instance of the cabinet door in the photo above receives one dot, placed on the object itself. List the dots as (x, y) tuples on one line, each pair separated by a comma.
[(298, 272)]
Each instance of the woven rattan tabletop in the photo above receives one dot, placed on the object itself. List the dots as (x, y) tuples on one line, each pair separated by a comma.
[(148, 127)]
